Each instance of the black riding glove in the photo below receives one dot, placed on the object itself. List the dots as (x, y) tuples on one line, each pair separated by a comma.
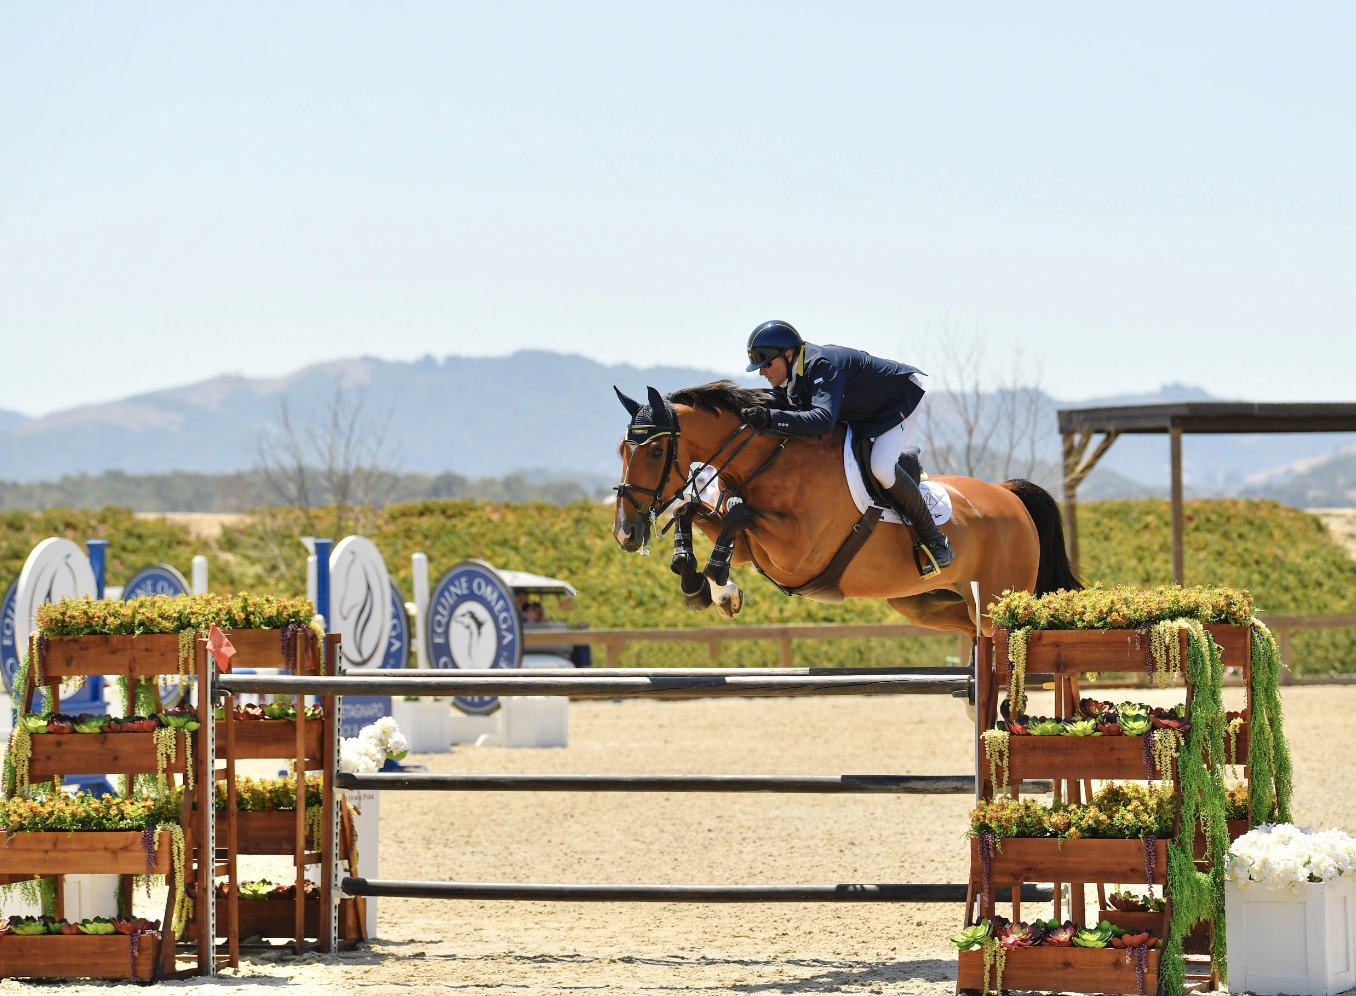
[(757, 417)]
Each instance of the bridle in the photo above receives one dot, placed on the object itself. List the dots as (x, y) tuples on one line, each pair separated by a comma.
[(688, 490)]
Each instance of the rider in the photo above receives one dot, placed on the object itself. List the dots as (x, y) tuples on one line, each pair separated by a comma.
[(815, 387)]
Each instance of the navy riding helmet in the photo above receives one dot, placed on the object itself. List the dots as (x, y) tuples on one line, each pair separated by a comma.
[(769, 341)]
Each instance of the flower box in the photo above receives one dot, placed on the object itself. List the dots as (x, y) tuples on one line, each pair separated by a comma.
[(1282, 942), (1051, 969), (89, 956), (1110, 758), (263, 832), (100, 753), (273, 738), (277, 918), (84, 852), (158, 653), (1076, 651), (1046, 859)]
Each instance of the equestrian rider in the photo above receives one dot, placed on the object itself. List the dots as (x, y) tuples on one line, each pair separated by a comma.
[(815, 387)]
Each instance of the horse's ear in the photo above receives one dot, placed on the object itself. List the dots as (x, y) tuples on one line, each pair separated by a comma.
[(657, 406), (631, 406)]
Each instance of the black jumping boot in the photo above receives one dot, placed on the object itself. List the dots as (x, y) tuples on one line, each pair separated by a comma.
[(908, 500)]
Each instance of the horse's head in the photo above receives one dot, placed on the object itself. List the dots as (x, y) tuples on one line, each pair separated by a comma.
[(650, 476)]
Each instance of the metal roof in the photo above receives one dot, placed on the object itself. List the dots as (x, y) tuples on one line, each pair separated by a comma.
[(534, 583), (1212, 416)]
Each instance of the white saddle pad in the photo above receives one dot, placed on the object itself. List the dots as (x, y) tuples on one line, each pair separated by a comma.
[(937, 497)]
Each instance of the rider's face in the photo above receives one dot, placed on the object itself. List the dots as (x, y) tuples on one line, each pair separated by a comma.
[(776, 371)]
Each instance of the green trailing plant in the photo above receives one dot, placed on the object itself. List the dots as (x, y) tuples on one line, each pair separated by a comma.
[(996, 750), (60, 812), (1268, 750), (1198, 896), (1017, 668)]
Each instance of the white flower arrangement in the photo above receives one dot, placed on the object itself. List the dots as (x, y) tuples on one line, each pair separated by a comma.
[(368, 751), (1284, 856)]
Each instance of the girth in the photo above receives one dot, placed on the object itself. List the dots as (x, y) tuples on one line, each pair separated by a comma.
[(824, 587)]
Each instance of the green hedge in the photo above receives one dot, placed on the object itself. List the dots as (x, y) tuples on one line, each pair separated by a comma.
[(1283, 555)]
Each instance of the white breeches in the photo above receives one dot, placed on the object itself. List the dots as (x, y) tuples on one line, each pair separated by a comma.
[(887, 448)]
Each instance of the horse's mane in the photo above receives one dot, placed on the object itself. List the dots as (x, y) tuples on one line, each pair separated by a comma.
[(719, 396)]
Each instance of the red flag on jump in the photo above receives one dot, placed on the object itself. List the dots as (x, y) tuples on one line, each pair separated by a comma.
[(221, 647)]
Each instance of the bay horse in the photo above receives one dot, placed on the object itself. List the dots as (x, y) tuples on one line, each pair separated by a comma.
[(785, 506)]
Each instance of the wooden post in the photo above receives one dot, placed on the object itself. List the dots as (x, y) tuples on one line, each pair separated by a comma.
[(301, 825), (330, 769), (1283, 644), (232, 879), (1178, 570), (784, 652), (614, 652), (1071, 498), (713, 649)]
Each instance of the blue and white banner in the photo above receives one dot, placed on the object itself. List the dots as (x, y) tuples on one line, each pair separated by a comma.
[(158, 579), (473, 624)]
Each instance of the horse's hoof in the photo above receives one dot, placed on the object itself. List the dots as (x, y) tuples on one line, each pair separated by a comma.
[(728, 598)]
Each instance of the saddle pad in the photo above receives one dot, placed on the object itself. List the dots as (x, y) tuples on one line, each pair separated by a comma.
[(937, 497)]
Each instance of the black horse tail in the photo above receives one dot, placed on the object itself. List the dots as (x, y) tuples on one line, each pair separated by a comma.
[(1054, 571)]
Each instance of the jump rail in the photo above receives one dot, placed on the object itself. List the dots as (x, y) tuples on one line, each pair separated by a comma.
[(635, 683), (798, 784), (608, 893), (742, 685)]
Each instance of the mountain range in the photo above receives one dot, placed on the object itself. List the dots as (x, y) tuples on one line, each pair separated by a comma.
[(556, 416)]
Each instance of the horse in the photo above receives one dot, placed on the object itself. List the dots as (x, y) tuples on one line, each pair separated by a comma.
[(785, 507)]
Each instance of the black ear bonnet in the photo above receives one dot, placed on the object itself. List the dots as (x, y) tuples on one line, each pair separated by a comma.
[(649, 421)]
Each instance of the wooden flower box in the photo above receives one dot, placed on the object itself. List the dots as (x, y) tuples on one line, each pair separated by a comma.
[(1051, 969), (74, 956), (158, 653), (1046, 859), (1118, 758), (98, 753), (1076, 651), (270, 832), (84, 852), (277, 918), (274, 738)]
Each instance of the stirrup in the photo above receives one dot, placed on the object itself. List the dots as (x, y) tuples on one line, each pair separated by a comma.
[(931, 567)]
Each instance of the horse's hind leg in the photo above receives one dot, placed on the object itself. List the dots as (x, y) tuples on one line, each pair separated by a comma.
[(942, 609)]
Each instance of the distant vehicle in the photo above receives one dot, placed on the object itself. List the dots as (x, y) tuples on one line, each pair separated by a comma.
[(532, 590)]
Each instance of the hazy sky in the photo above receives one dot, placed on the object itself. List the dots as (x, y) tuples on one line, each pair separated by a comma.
[(1135, 195)]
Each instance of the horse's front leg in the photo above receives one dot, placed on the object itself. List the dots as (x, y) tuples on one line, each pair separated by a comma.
[(696, 592), (726, 594)]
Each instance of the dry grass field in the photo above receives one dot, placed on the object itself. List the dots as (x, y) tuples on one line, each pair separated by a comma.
[(472, 947)]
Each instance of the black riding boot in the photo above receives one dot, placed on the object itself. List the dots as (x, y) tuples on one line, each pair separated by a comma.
[(909, 503)]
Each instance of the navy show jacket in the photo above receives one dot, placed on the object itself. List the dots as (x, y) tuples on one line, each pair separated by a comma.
[(841, 384)]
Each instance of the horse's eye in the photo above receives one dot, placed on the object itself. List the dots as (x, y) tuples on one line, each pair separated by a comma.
[(656, 452)]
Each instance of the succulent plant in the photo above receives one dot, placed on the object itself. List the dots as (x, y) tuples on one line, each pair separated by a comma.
[(97, 925), (1094, 937), (34, 723), (1020, 935), (1059, 935), (973, 937), (1086, 727), (86, 723), (1134, 724), (1142, 939), (1044, 726)]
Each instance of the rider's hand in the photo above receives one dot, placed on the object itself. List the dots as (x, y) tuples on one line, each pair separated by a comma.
[(757, 417)]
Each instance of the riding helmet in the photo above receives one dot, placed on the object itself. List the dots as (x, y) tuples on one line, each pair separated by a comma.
[(769, 341)]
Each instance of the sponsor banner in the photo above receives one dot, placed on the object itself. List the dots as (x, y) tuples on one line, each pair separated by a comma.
[(357, 711), (473, 624), (158, 579), (360, 602)]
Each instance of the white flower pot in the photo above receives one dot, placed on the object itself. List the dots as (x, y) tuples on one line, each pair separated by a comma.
[(1299, 944), (427, 725)]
